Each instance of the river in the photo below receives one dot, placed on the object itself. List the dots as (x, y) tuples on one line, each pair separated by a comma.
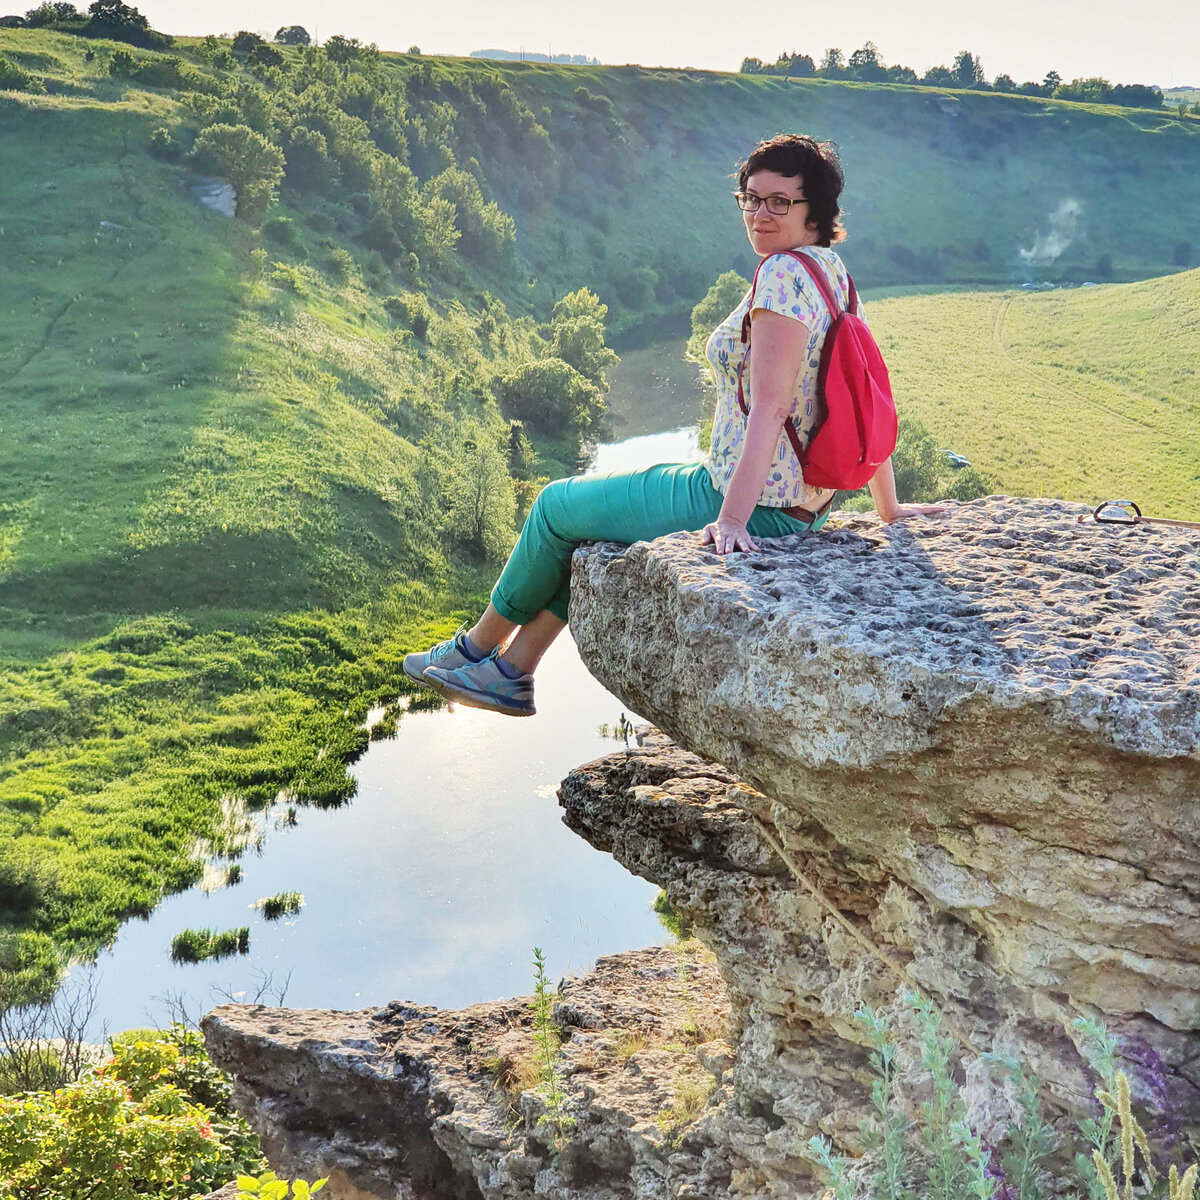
[(451, 863)]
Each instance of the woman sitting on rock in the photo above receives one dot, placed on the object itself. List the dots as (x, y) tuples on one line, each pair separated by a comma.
[(750, 485)]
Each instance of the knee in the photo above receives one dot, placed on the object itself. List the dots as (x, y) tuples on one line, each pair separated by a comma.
[(550, 498)]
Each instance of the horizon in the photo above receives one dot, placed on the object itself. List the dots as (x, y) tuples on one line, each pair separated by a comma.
[(1077, 40)]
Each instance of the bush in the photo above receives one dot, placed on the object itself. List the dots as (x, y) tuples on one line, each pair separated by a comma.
[(551, 396), (411, 310), (153, 1120), (719, 301), (481, 502), (15, 79), (283, 232), (247, 159)]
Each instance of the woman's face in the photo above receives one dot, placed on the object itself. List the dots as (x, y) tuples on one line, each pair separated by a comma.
[(768, 233)]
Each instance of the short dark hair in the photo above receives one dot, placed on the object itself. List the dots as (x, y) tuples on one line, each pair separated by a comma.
[(816, 164)]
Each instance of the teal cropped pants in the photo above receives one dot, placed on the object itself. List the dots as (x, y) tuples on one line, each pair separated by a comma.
[(624, 506)]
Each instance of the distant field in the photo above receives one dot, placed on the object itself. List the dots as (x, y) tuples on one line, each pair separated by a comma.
[(1087, 394)]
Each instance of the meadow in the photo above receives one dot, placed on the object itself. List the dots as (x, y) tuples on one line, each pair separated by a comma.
[(1087, 394), (233, 451)]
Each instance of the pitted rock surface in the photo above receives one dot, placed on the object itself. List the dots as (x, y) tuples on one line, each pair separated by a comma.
[(796, 974), (1000, 708), (412, 1102)]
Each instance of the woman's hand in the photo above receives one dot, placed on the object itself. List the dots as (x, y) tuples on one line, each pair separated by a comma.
[(725, 535), (914, 510)]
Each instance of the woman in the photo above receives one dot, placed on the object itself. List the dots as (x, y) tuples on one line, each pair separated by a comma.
[(750, 485)]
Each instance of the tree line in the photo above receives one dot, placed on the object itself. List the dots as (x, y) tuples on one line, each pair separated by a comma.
[(966, 71)]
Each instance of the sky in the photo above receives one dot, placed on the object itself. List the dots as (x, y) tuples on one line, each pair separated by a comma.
[(1155, 42)]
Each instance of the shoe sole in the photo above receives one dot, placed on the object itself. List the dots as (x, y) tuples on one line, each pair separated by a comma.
[(419, 677), (475, 699)]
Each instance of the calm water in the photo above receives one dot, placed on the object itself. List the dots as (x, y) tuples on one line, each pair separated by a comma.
[(434, 883)]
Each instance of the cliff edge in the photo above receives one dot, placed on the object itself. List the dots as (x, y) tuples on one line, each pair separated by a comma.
[(959, 757)]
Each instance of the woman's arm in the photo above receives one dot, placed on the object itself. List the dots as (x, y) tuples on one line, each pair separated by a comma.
[(883, 492), (779, 346)]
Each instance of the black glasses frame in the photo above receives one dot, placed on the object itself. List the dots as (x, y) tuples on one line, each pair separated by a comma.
[(748, 202)]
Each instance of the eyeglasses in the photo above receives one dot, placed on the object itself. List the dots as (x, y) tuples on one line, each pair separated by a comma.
[(777, 206)]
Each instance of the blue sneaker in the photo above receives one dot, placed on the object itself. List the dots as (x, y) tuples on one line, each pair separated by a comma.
[(449, 653), (484, 685)]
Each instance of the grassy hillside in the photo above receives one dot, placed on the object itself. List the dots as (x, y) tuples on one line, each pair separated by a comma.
[(233, 450), (1089, 394)]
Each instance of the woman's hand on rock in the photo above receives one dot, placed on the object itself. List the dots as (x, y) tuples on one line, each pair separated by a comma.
[(916, 510), (725, 535)]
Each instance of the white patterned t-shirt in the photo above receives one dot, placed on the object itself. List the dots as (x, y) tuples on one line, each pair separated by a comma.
[(784, 287)]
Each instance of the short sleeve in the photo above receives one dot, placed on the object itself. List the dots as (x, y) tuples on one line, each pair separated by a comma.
[(785, 287)]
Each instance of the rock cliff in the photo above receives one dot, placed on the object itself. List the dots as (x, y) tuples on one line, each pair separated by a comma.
[(960, 756)]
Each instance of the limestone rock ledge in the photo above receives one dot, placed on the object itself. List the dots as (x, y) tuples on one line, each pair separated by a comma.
[(981, 733), (416, 1103)]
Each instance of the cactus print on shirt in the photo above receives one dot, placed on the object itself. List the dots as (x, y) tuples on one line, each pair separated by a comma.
[(783, 287)]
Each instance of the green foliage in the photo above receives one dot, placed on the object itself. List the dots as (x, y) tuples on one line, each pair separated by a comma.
[(282, 904), (481, 504), (155, 1119), (577, 336), (410, 309), (269, 1186), (197, 945), (718, 302), (293, 35), (247, 159), (16, 79), (673, 921), (546, 1040), (939, 1156), (551, 396)]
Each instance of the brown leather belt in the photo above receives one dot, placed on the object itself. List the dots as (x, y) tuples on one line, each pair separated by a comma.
[(805, 514)]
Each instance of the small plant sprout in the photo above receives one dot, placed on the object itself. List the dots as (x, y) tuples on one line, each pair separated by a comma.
[(887, 1134), (820, 1151), (546, 1041)]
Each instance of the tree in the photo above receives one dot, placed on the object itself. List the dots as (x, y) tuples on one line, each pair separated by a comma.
[(482, 503), (720, 299), (833, 64), (51, 13), (967, 70), (292, 35), (939, 77), (122, 22), (245, 42), (1003, 83), (551, 396), (1050, 83), (866, 64), (577, 336), (752, 66), (251, 163)]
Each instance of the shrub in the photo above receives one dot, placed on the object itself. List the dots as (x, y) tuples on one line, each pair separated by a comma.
[(283, 232), (16, 79), (551, 396), (247, 159), (410, 309)]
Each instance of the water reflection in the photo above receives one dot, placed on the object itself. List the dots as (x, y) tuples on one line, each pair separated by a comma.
[(448, 866)]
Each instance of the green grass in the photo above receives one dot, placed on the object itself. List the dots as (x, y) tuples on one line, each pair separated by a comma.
[(225, 466), (200, 945), (284, 904), (1087, 394)]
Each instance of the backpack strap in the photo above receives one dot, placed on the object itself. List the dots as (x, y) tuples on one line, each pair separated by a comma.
[(835, 310)]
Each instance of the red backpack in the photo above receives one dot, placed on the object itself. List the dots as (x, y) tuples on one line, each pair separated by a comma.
[(858, 432)]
